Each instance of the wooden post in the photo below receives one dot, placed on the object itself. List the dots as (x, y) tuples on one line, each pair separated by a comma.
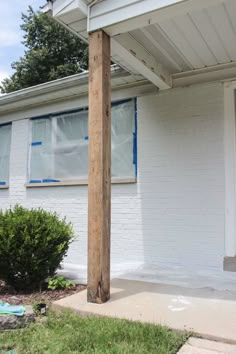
[(99, 181)]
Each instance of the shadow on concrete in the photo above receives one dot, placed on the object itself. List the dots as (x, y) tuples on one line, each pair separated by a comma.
[(126, 288)]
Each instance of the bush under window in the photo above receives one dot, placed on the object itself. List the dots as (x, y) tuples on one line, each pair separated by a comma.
[(32, 245)]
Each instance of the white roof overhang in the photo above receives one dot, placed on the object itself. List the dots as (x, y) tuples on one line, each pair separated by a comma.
[(67, 88), (169, 42)]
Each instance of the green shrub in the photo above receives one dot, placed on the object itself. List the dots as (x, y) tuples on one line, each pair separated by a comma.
[(59, 282), (32, 246)]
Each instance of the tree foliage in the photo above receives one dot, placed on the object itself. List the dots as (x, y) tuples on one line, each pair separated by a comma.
[(51, 52)]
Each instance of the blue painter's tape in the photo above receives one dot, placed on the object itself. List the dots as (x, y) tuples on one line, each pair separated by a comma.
[(35, 181), (48, 116), (49, 180), (2, 183), (86, 138), (135, 143), (4, 124), (36, 143), (135, 151)]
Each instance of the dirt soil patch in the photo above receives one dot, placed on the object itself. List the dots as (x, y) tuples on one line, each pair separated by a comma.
[(46, 296)]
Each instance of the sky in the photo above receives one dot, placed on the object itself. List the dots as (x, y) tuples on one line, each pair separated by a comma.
[(10, 33)]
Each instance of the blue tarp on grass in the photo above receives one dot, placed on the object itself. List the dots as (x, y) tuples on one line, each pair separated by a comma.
[(6, 309)]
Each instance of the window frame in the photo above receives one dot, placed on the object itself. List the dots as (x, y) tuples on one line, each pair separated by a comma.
[(114, 180)]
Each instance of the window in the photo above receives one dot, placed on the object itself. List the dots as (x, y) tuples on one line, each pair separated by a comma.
[(59, 148), (5, 143), (230, 170)]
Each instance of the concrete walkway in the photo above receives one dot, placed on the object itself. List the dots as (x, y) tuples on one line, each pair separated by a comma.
[(207, 312), (202, 346)]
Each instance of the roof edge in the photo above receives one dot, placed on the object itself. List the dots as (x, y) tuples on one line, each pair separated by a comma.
[(59, 84)]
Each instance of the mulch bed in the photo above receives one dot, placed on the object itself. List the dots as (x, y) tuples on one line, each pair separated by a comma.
[(46, 296)]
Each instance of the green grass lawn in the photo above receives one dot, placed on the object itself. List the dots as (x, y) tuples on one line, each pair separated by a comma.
[(67, 333)]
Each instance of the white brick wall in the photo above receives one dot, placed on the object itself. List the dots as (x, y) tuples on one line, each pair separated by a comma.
[(181, 176), (175, 213)]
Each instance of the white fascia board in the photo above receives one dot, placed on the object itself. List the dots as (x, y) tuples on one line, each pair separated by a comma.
[(83, 38), (136, 56), (220, 72), (83, 7), (47, 8), (122, 16), (111, 12), (61, 7)]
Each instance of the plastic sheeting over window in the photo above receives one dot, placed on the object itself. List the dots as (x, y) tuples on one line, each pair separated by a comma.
[(59, 148), (123, 139), (5, 143)]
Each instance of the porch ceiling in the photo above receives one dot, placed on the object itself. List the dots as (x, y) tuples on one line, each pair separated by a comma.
[(195, 40), (182, 41)]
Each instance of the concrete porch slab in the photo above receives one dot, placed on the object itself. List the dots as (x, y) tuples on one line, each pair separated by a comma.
[(202, 346), (207, 312)]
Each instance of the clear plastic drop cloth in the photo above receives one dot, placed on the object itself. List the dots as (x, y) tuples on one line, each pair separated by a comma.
[(122, 139), (71, 148), (59, 149), (5, 143), (42, 157)]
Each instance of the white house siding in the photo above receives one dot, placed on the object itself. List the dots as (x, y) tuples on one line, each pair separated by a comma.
[(174, 215)]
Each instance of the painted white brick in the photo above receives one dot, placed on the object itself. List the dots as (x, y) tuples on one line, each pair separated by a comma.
[(181, 176), (175, 212)]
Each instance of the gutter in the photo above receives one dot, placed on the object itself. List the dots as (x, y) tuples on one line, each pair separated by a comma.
[(56, 85)]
